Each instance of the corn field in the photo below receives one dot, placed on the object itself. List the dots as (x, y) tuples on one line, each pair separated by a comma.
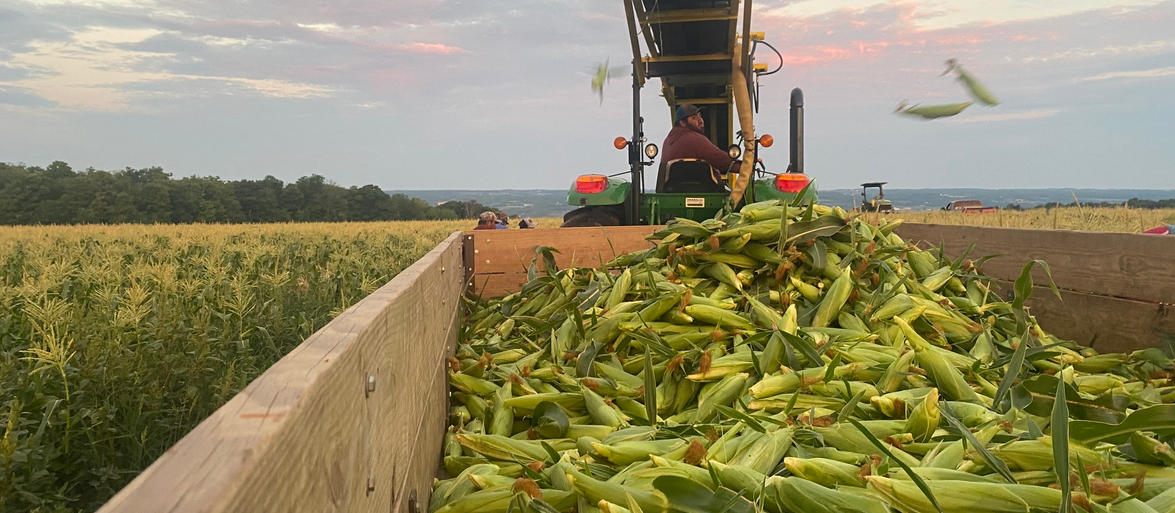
[(1099, 219), (115, 341)]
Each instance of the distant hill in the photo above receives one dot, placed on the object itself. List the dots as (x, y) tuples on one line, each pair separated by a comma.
[(553, 202), (527, 202), (930, 199)]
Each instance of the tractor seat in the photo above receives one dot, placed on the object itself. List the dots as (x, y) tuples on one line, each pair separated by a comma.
[(689, 176)]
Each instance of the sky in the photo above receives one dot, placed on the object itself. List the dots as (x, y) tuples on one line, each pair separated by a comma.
[(494, 94)]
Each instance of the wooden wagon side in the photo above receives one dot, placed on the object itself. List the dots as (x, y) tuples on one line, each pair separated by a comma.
[(1116, 288)]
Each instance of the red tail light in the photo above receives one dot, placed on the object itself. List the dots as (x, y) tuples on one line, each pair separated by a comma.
[(791, 182), (591, 184)]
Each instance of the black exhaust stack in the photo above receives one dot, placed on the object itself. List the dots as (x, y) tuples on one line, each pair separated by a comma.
[(797, 131)]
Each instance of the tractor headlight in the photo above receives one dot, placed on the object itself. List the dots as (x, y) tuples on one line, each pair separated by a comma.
[(735, 151), (651, 150)]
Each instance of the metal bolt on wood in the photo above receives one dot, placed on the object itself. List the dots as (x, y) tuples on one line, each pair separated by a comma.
[(370, 484), (370, 389)]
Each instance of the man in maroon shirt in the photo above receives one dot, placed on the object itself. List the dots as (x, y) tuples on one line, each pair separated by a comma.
[(688, 141)]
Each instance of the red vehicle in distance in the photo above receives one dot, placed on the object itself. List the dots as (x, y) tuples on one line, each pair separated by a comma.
[(969, 207)]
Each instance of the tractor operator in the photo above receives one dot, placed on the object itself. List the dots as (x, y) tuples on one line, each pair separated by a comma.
[(687, 140)]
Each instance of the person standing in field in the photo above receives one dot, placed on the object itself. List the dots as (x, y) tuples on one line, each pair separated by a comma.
[(503, 221), (487, 221)]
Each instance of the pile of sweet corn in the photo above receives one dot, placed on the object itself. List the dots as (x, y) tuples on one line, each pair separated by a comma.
[(793, 360)]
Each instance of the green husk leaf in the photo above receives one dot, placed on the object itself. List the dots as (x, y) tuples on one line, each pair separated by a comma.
[(650, 389), (583, 366), (1023, 285), (1060, 433), (830, 372), (909, 471), (850, 406), (791, 404), (1084, 476), (806, 348), (542, 507), (550, 421), (750, 421), (686, 496), (1035, 395), (807, 230), (1159, 418), (1011, 376), (990, 459)]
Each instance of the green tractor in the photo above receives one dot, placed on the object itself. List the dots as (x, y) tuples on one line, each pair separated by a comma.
[(877, 203), (693, 50)]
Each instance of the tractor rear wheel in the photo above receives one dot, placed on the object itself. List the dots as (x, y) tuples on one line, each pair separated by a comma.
[(599, 215)]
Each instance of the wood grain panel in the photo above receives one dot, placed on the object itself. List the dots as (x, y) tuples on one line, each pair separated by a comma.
[(496, 285), (512, 251), (1110, 324), (1139, 266), (307, 435)]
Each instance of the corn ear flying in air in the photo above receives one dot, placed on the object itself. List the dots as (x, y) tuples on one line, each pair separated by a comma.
[(935, 111), (972, 84)]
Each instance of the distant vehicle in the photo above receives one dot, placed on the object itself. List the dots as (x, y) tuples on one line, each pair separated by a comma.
[(969, 207), (878, 203)]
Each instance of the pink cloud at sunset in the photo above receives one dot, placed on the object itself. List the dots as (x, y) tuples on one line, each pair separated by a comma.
[(437, 48)]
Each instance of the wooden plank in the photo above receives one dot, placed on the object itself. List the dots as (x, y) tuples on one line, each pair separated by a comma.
[(1139, 266), (307, 435), (1111, 324), (512, 251), (496, 285)]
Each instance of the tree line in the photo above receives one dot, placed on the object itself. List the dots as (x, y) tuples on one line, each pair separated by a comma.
[(56, 194), (1132, 203)]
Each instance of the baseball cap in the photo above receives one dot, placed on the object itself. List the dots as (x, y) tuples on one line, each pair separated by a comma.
[(686, 110)]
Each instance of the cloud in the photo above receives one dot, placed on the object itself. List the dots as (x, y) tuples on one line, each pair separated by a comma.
[(8, 73), (1157, 47), (90, 3), (1150, 73), (818, 33), (266, 87), (1014, 116), (437, 48), (321, 27), (101, 69), (22, 97), (943, 14)]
